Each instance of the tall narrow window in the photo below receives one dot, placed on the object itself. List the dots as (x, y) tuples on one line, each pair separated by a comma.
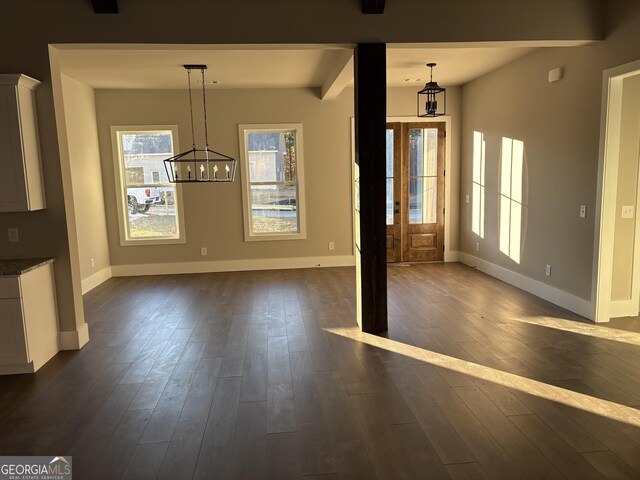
[(389, 175), (511, 170), (272, 183), (149, 206), (477, 216), (423, 175)]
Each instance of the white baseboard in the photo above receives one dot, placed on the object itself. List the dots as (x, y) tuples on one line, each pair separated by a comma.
[(453, 256), (232, 265), (547, 292), (75, 339), (623, 308), (96, 279)]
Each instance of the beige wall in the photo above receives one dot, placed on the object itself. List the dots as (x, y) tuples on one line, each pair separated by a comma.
[(213, 212), (560, 126), (327, 156), (84, 156), (624, 237)]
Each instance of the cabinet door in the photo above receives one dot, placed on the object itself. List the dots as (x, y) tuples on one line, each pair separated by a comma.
[(13, 346), (13, 191)]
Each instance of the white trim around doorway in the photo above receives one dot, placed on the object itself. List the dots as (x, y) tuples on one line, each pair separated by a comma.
[(449, 254), (607, 187)]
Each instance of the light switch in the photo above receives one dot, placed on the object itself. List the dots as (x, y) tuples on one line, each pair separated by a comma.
[(583, 211), (627, 211)]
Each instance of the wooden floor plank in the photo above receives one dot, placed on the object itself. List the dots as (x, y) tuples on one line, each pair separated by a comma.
[(416, 454), (260, 375), (249, 457), (521, 450), (214, 455), (117, 452), (447, 442), (281, 415), (466, 471), (479, 441), (610, 465), (556, 450), (182, 452), (145, 462), (167, 411)]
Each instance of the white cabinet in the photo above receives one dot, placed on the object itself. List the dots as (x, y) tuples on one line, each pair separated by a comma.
[(21, 187), (28, 320)]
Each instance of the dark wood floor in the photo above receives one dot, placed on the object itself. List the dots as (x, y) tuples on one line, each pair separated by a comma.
[(263, 375)]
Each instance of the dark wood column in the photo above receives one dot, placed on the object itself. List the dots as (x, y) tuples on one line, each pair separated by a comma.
[(370, 73), (107, 6)]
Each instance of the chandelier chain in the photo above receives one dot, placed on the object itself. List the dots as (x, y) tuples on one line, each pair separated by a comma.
[(204, 107), (193, 133)]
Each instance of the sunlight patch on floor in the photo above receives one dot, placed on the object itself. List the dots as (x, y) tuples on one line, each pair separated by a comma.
[(597, 406), (595, 330)]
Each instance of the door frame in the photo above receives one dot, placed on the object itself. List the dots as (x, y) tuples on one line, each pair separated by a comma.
[(607, 188), (451, 208), (449, 255)]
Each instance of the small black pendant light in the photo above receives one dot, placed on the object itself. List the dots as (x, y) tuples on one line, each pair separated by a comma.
[(432, 99), (199, 164)]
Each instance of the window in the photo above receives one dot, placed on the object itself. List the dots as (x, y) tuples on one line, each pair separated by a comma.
[(272, 181), (511, 205), (149, 206), (477, 215), (423, 175), (389, 174)]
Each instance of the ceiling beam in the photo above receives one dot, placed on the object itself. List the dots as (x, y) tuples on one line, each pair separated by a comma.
[(373, 6), (105, 6), (338, 78)]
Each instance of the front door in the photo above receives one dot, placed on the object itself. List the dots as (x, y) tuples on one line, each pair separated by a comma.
[(415, 192)]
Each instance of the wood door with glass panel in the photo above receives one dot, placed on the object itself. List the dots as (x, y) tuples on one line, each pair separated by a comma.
[(423, 192), (393, 192)]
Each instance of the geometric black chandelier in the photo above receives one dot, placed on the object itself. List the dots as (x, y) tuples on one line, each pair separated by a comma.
[(199, 164), (432, 99)]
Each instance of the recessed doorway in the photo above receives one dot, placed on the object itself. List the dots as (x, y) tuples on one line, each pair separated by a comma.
[(415, 169)]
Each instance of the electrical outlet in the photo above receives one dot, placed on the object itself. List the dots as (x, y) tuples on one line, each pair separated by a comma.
[(203, 251), (332, 246), (627, 211), (583, 211), (467, 198), (93, 263), (13, 235), (477, 246), (547, 270)]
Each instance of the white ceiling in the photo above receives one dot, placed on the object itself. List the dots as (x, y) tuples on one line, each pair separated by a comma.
[(455, 66), (234, 68), (160, 67)]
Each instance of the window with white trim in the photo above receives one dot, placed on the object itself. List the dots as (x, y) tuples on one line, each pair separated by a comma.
[(149, 207), (511, 170), (477, 214), (272, 181)]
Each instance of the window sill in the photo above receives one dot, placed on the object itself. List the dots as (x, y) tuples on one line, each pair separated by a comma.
[(155, 241), (267, 237)]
